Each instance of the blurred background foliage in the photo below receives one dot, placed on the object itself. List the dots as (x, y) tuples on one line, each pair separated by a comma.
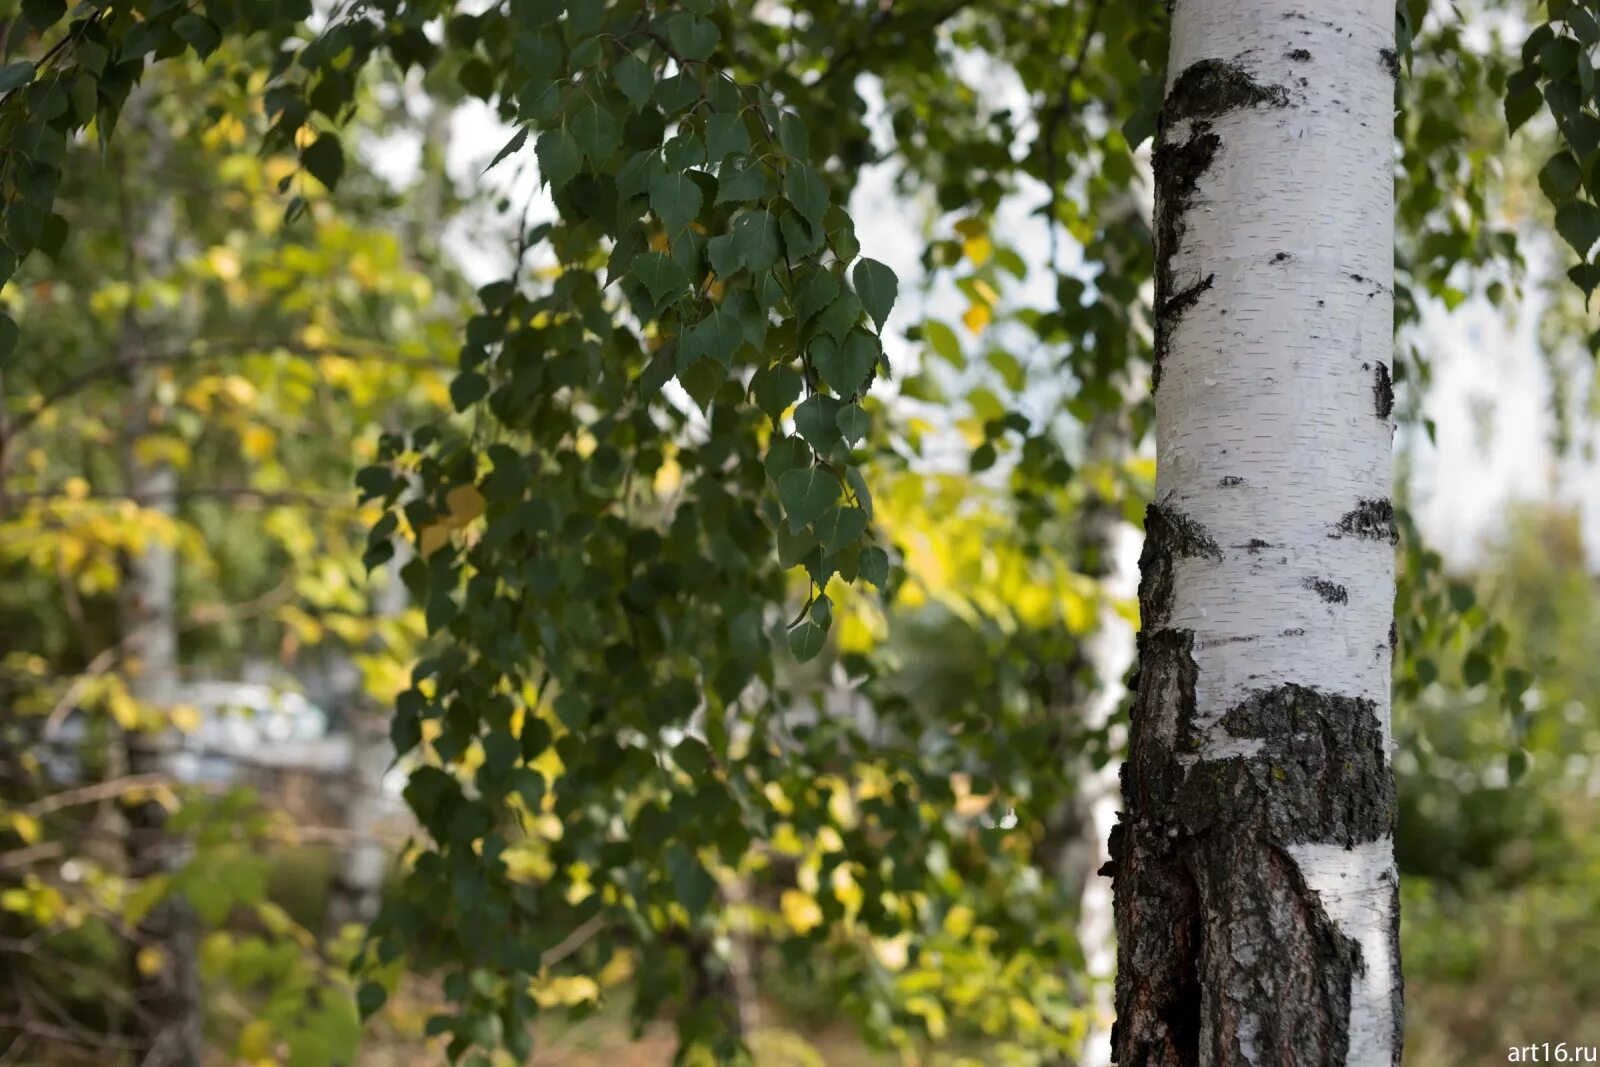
[(272, 349)]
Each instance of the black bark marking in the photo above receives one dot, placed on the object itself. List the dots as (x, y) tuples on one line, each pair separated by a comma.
[(1180, 302), (1281, 256), (1178, 168), (1229, 481), (1394, 635), (1300, 55), (1383, 391), (1257, 544), (1372, 520), (1390, 61), (1212, 87), (1332, 592), (1167, 534)]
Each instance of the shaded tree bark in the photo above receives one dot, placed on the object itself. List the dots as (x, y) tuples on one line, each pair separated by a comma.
[(1255, 887)]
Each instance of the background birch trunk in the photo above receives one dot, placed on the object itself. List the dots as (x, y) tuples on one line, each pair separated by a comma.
[(166, 969), (1255, 886)]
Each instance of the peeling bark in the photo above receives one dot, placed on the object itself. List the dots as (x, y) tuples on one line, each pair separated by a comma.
[(1252, 866)]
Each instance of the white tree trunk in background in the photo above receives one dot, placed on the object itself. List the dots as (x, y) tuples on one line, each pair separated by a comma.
[(1256, 894), (1110, 653), (169, 1015), (360, 867)]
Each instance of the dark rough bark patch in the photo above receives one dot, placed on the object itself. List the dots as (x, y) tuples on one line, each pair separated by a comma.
[(1390, 61), (1168, 534), (1229, 481), (1383, 390), (1394, 635), (1320, 774), (1159, 914), (1178, 168), (1300, 55), (1281, 256), (1212, 87), (1256, 544), (1204, 883), (1372, 520), (1332, 592)]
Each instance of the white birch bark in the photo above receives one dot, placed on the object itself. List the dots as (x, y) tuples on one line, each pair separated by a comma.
[(356, 889), (168, 1012), (1256, 893)]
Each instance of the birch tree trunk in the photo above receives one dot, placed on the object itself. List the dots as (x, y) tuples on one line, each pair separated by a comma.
[(1255, 887), (167, 1007), (356, 889)]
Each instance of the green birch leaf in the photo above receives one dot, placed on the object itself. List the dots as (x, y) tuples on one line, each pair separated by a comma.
[(675, 199), (636, 80), (840, 527), (786, 454), (807, 640), (845, 367), (742, 181), (755, 237), (324, 159), (807, 493), (1579, 225), (807, 192), (690, 882), (725, 135), (853, 423), (877, 286), (596, 131), (817, 293), (717, 336), (661, 276), (15, 75), (817, 420), (559, 156), (840, 317), (724, 256), (874, 566), (691, 36)]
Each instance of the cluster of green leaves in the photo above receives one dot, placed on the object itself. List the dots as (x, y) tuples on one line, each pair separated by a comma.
[(1558, 72)]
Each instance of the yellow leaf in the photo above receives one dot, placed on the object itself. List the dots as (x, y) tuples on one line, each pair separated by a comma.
[(26, 827), (465, 504), (800, 911), (257, 441), (977, 317), (185, 718), (978, 249), (149, 961), (255, 1041), (433, 538)]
